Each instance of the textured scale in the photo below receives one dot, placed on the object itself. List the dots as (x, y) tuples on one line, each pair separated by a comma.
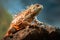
[(24, 18)]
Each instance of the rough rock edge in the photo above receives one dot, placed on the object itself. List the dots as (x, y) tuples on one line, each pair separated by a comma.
[(37, 32)]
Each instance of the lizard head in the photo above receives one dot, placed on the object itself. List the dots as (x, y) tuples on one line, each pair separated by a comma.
[(35, 9)]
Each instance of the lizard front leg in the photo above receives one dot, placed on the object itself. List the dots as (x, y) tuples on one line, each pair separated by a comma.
[(37, 21)]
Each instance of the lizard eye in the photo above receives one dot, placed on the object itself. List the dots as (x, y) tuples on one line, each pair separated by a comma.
[(37, 5)]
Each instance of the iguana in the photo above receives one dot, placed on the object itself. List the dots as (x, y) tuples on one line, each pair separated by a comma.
[(24, 18)]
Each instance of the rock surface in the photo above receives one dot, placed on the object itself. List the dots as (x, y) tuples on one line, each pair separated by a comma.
[(37, 32)]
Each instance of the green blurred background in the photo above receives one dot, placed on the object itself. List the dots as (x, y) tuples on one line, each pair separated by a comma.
[(5, 19)]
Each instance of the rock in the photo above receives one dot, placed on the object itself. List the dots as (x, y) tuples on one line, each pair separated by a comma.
[(36, 33)]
